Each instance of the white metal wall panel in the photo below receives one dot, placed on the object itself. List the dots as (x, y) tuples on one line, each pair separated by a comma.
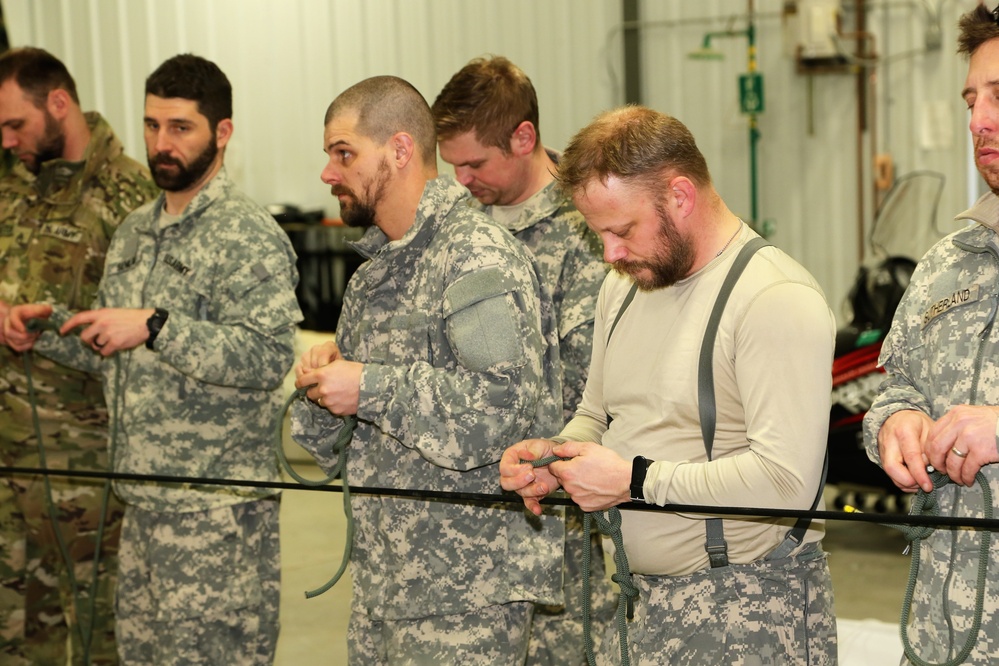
[(808, 150), (288, 60)]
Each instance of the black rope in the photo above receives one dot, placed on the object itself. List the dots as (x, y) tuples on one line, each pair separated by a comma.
[(751, 512)]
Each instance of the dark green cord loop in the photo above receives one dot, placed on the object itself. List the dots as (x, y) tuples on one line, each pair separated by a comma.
[(339, 470), (609, 524), (926, 503), (85, 620)]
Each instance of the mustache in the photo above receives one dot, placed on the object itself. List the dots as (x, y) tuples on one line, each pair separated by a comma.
[(337, 190), (163, 158)]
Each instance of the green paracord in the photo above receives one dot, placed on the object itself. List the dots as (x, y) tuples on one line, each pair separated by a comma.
[(925, 503), (609, 524), (339, 470), (85, 620)]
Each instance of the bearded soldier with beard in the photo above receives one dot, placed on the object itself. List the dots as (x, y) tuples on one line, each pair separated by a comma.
[(710, 591), (193, 332), (446, 345), (67, 189)]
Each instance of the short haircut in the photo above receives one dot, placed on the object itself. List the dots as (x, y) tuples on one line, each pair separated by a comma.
[(976, 27), (386, 105), (192, 77), (488, 96), (37, 72), (636, 144)]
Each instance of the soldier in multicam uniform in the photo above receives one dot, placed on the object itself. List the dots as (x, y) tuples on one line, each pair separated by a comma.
[(512, 177), (195, 333), (940, 401), (66, 185), (446, 345), (668, 233)]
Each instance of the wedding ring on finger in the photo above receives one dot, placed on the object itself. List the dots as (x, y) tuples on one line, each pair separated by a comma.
[(959, 454)]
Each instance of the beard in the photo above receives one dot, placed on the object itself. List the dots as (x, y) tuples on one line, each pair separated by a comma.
[(184, 176), (50, 146), (360, 213), (672, 258)]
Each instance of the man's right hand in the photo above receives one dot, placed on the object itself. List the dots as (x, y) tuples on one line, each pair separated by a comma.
[(15, 329), (531, 483), (900, 445), (318, 356)]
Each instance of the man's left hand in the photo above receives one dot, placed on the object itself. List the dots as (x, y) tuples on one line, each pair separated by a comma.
[(967, 429), (110, 330), (596, 478)]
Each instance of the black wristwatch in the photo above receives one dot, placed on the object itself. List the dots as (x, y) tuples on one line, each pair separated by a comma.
[(639, 468), (154, 324)]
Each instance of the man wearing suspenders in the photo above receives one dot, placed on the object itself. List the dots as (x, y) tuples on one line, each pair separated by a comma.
[(696, 400)]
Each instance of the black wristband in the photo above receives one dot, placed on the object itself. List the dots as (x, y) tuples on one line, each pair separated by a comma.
[(639, 468), (155, 324)]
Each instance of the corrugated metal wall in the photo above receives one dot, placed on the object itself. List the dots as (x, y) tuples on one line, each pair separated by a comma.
[(288, 59)]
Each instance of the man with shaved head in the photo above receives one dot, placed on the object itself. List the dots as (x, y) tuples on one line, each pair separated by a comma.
[(447, 346)]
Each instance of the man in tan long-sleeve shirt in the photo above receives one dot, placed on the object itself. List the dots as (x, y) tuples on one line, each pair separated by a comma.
[(637, 433)]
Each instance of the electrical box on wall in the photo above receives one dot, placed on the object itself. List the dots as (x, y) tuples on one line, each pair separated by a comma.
[(811, 34)]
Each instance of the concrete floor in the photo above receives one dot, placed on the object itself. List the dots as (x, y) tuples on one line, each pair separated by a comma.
[(869, 573)]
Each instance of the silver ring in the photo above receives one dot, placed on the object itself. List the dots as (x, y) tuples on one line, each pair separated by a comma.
[(959, 454)]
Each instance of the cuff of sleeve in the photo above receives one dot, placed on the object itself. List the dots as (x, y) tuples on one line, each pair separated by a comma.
[(658, 480)]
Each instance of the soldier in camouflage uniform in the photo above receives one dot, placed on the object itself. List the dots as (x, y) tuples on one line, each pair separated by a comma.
[(446, 346), (512, 177), (767, 598), (59, 204), (940, 401), (194, 332)]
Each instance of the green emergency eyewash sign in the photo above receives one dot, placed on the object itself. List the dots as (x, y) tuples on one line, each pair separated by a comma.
[(751, 92)]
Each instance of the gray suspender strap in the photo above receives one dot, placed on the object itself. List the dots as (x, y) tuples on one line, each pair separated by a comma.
[(624, 306), (715, 544)]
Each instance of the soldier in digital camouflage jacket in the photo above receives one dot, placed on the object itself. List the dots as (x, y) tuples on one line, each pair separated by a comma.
[(459, 358), (55, 228), (942, 351)]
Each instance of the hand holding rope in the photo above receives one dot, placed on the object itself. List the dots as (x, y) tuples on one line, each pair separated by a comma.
[(609, 524)]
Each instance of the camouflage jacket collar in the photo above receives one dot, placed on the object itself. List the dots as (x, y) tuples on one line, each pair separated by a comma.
[(542, 206), (69, 178), (439, 196), (217, 188), (986, 213)]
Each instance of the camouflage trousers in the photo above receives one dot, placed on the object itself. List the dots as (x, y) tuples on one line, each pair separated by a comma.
[(200, 587), (491, 636), (557, 631), (43, 620), (766, 613)]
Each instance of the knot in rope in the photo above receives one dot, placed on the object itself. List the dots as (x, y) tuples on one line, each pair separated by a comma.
[(609, 524), (927, 504)]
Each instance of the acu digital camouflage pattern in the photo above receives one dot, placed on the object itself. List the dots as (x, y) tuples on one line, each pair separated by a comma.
[(570, 263), (201, 404), (766, 613), (459, 342), (418, 642), (209, 582), (54, 232), (942, 351)]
